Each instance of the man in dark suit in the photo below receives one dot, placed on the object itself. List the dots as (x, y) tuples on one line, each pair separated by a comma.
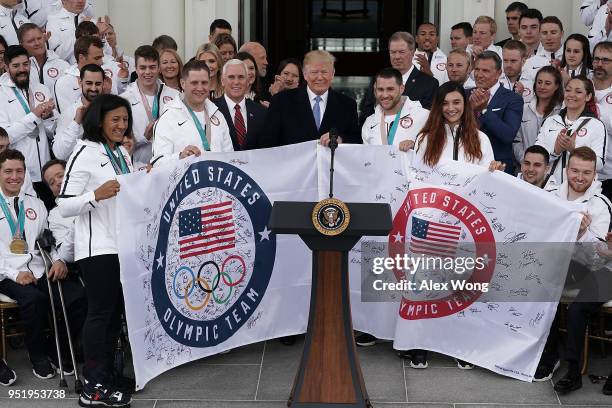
[(309, 113), (499, 110), (244, 117), (417, 85)]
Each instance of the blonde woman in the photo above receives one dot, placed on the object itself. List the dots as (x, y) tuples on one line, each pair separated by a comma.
[(170, 65), (210, 54)]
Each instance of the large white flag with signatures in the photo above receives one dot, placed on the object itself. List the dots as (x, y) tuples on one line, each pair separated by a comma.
[(202, 272), (519, 230)]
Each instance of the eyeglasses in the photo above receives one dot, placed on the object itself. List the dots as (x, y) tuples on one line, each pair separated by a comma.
[(604, 61)]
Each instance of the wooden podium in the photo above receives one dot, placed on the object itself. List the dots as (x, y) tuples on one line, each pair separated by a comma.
[(329, 374)]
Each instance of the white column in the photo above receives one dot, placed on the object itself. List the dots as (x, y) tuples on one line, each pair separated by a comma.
[(132, 22), (168, 17)]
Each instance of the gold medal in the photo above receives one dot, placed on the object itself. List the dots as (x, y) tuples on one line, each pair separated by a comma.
[(18, 246)]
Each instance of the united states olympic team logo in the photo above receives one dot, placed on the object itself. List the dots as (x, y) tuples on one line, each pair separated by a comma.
[(214, 254), (439, 223)]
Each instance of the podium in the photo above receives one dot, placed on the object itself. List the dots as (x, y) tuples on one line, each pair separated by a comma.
[(329, 373)]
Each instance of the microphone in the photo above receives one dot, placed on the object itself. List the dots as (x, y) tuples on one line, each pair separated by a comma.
[(333, 138)]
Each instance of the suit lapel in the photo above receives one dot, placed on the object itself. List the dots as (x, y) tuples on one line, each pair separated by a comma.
[(228, 118), (496, 97), (329, 106)]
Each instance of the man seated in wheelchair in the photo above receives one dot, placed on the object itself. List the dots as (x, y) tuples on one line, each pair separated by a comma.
[(23, 274)]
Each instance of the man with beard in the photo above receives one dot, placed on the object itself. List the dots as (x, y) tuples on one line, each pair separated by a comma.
[(535, 166), (397, 120), (27, 114), (69, 128), (148, 97), (46, 66), (514, 78), (602, 82), (581, 186)]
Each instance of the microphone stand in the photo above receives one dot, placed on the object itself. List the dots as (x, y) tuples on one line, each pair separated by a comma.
[(333, 144)]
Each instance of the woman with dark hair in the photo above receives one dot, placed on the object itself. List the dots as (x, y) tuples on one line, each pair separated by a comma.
[(88, 193), (227, 46), (574, 126), (548, 89), (577, 59), (451, 132), (253, 79), (288, 76)]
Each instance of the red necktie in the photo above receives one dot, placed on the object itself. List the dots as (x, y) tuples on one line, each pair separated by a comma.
[(239, 125)]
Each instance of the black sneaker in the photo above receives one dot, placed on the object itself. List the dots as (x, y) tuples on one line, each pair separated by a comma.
[(7, 376), (607, 388), (43, 369), (545, 370), (104, 396), (570, 382), (405, 354), (66, 365), (464, 365), (365, 340), (124, 384), (418, 360)]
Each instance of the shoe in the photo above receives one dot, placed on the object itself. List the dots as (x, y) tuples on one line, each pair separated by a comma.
[(104, 396), (43, 369), (607, 388), (66, 363), (288, 340), (405, 354), (570, 382), (124, 384), (7, 376), (418, 360), (545, 370), (365, 340), (464, 365)]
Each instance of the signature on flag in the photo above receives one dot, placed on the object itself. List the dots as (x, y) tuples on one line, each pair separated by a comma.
[(206, 229)]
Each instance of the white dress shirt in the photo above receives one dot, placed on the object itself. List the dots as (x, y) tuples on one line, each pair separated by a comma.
[(322, 102), (232, 109)]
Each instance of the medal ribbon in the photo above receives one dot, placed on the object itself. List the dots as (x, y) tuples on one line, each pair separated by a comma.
[(153, 114), (118, 161), (9, 217), (23, 103), (391, 135), (198, 126)]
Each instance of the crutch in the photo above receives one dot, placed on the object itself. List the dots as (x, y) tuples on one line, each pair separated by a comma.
[(46, 241)]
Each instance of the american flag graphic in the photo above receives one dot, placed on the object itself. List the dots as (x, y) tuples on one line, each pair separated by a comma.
[(206, 229), (434, 238)]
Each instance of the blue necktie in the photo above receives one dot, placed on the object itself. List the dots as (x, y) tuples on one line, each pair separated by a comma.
[(316, 110)]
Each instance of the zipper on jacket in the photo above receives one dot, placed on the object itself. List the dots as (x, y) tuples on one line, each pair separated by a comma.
[(90, 234)]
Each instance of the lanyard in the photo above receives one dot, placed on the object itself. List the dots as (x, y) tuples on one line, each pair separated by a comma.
[(153, 113), (391, 135), (23, 103), (118, 162), (198, 126), (15, 229)]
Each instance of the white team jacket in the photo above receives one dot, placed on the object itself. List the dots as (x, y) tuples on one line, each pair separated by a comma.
[(588, 10), (63, 231), (143, 152), (597, 205), (52, 69), (38, 11), (9, 24), (437, 64), (35, 222), (27, 133), (67, 132), (592, 135), (539, 60), (604, 104), (96, 225), (598, 33), (530, 129), (449, 146), (175, 130), (412, 119), (523, 79), (62, 28), (67, 89)]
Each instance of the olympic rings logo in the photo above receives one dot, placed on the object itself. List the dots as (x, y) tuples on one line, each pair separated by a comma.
[(233, 265)]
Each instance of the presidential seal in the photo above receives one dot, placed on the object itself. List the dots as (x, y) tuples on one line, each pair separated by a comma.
[(331, 216), (214, 254)]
